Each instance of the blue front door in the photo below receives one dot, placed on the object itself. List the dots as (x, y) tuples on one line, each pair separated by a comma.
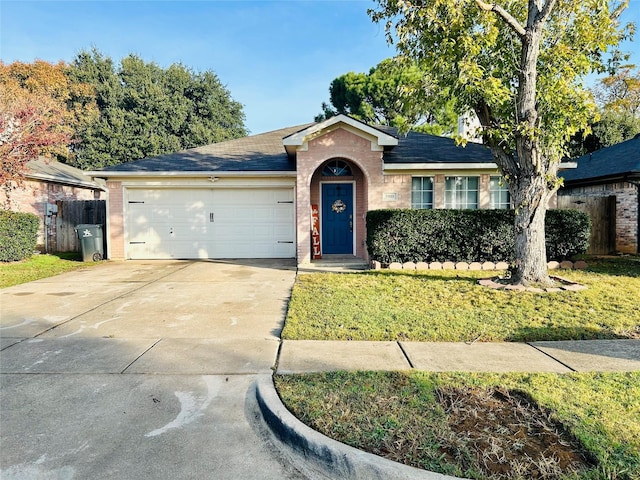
[(337, 218)]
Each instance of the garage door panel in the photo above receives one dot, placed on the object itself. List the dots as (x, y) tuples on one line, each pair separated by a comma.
[(201, 223)]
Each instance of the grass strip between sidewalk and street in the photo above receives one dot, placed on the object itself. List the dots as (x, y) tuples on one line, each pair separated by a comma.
[(439, 305), (483, 426)]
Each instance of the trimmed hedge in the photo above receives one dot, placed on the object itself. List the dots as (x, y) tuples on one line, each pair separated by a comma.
[(466, 235), (18, 235)]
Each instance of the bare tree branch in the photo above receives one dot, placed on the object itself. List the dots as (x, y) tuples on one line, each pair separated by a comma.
[(506, 16), (618, 11)]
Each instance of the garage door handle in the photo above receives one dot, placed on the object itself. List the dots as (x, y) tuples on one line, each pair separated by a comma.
[(211, 217), (280, 241), (285, 201)]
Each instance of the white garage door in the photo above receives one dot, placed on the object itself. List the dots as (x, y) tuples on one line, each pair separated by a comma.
[(205, 223)]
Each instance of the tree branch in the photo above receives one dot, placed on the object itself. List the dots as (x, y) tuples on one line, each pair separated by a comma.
[(546, 10), (618, 11), (506, 16)]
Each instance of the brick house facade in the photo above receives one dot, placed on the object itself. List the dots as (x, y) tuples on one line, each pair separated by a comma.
[(254, 196)]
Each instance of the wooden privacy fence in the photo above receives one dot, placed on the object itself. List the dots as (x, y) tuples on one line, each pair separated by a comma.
[(602, 211), (76, 212)]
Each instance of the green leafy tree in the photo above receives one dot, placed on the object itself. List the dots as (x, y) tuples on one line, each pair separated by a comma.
[(144, 110), (618, 96), (519, 66), (380, 97)]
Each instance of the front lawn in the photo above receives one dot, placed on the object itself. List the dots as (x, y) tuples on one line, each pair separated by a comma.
[(483, 426), (37, 267), (451, 306)]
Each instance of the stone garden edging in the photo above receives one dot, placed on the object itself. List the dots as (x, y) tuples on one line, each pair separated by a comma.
[(489, 266), (563, 283)]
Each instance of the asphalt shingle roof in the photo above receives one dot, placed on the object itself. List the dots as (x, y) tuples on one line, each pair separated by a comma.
[(256, 153), (57, 172), (265, 153), (422, 148), (617, 161)]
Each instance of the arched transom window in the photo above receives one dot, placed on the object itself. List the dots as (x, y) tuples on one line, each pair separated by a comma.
[(337, 168)]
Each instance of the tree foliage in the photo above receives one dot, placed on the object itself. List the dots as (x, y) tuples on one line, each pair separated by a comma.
[(519, 66), (34, 119), (379, 97), (142, 110), (618, 97)]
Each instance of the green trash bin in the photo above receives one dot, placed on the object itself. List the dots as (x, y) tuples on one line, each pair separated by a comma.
[(91, 242)]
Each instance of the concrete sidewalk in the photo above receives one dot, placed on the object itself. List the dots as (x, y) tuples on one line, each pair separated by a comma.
[(336, 460), (303, 356)]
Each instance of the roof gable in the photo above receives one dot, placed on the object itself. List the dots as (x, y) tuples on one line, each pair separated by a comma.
[(300, 139)]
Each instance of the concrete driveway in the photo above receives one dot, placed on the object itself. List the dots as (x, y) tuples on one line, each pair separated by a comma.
[(137, 370)]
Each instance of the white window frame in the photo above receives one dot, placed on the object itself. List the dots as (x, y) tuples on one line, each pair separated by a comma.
[(497, 191), (457, 199), (421, 205)]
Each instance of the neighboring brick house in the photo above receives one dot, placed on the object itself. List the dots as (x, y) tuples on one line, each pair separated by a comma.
[(612, 172), (47, 182), (291, 193)]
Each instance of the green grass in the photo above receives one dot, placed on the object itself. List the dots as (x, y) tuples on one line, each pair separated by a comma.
[(451, 306), (37, 267), (397, 415)]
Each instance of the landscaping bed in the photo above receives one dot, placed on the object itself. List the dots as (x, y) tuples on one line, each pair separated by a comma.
[(481, 426)]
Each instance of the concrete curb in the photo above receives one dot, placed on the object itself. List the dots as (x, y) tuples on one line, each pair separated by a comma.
[(332, 458)]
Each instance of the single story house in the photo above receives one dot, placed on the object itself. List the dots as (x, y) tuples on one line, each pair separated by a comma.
[(46, 182), (300, 192), (613, 173)]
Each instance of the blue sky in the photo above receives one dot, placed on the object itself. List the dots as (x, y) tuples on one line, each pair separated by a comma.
[(276, 57)]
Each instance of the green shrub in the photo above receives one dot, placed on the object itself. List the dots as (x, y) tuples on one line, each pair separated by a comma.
[(567, 233), (466, 235), (18, 235)]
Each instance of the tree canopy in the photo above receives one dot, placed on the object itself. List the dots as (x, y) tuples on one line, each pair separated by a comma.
[(378, 97), (618, 119), (34, 118), (140, 109), (520, 67)]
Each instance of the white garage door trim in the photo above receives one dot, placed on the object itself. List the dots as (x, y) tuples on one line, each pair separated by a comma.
[(191, 223)]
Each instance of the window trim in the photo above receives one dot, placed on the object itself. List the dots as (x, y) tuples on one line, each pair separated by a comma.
[(423, 206), (454, 204), (497, 192)]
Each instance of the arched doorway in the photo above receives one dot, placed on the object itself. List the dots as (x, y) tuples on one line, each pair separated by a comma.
[(338, 189)]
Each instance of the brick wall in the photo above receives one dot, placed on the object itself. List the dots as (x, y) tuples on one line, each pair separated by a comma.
[(366, 162), (115, 213)]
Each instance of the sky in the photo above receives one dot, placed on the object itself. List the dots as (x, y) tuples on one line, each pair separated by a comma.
[(277, 58)]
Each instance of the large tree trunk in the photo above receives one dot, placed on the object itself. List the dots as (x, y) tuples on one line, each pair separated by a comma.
[(531, 200), (530, 175)]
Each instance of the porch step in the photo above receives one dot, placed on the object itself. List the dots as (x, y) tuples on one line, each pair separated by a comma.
[(334, 265)]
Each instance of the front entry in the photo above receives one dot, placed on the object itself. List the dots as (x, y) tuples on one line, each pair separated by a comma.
[(337, 218)]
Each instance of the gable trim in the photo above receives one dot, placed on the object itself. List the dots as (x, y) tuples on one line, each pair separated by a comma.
[(299, 140)]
